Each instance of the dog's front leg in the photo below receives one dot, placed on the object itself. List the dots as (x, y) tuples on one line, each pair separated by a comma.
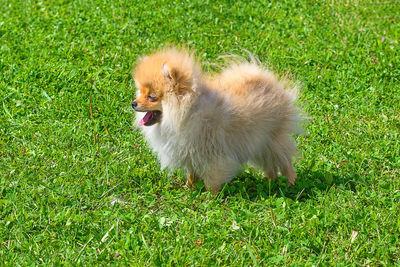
[(220, 172), (191, 180)]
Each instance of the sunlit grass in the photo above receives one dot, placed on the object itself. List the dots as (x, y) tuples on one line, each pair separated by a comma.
[(79, 185)]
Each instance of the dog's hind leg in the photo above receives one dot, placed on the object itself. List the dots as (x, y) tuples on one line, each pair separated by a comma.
[(267, 164), (285, 153), (289, 172), (269, 169), (278, 158)]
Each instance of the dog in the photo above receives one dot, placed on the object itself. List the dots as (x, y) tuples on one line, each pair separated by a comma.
[(211, 125)]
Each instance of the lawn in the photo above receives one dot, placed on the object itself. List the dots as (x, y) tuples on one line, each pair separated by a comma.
[(79, 185)]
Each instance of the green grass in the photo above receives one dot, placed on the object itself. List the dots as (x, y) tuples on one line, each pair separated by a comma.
[(78, 185)]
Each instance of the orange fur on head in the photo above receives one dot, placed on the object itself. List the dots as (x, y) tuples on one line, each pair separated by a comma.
[(169, 70)]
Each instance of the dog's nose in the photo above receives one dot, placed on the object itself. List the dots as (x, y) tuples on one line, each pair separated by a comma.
[(134, 105)]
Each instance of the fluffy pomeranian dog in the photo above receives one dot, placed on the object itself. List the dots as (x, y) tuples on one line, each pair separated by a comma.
[(210, 126)]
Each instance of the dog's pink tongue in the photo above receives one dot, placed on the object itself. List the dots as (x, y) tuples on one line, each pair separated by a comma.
[(145, 119)]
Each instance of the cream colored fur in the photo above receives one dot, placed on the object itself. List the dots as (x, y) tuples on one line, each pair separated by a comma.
[(242, 115)]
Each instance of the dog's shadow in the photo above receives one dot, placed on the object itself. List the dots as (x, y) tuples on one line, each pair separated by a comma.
[(252, 186)]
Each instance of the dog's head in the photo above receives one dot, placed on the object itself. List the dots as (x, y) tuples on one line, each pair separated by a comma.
[(158, 76)]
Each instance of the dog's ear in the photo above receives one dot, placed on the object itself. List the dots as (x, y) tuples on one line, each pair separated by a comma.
[(169, 73), (179, 80)]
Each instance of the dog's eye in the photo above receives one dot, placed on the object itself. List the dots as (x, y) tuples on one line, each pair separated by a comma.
[(151, 97)]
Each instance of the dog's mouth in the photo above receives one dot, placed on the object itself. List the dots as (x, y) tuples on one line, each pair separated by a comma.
[(151, 117)]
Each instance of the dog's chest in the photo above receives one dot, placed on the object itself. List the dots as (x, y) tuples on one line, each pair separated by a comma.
[(173, 150)]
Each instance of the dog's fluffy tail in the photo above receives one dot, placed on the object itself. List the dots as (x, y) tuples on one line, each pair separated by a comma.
[(248, 66)]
